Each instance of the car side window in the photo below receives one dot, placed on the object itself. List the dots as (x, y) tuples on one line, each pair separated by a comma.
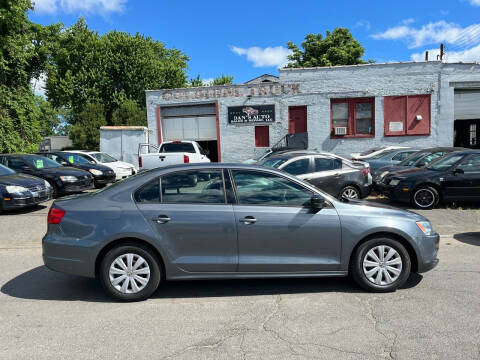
[(470, 165), (148, 193), (402, 156), (429, 158), (260, 188), (16, 163), (193, 187), (298, 167), (325, 164)]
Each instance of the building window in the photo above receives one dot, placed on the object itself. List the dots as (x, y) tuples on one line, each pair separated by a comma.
[(407, 115), (356, 116), (262, 137), (473, 134)]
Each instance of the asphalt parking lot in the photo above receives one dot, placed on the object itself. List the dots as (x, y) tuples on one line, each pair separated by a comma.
[(46, 315)]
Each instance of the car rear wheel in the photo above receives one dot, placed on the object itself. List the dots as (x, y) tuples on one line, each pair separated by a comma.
[(130, 273), (425, 197), (350, 192), (380, 265)]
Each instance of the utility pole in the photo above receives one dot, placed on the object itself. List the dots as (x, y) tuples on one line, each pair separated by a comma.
[(441, 52), (426, 55)]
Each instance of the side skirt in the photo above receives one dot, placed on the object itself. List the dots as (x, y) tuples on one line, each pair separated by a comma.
[(254, 275)]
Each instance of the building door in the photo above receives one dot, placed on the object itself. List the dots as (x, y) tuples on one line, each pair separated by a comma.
[(467, 118), (297, 119)]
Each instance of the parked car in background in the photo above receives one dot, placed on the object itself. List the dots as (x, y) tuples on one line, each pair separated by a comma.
[(454, 177), (122, 169), (418, 159), (277, 152), (63, 179), (20, 190), (102, 175), (389, 157), (367, 154), (254, 222), (336, 176), (171, 153)]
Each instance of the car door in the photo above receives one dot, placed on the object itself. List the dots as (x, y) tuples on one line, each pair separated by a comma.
[(326, 175), (277, 230), (192, 219), (463, 183)]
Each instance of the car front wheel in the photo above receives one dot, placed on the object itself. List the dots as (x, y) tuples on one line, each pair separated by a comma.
[(380, 265), (425, 197), (130, 273)]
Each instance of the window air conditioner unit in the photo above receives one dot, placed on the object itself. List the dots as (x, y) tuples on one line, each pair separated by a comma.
[(340, 130)]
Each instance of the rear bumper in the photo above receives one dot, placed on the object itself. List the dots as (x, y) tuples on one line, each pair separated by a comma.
[(68, 257), (365, 191)]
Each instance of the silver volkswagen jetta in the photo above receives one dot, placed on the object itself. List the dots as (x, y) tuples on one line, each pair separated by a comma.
[(212, 221)]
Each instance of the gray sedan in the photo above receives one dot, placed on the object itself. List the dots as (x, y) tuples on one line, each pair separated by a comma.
[(217, 221)]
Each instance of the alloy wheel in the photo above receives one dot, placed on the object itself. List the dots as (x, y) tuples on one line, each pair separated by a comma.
[(382, 265), (129, 273), (350, 193), (424, 198)]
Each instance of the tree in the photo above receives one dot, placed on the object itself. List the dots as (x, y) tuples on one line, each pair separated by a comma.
[(222, 80), (337, 48), (86, 131), (129, 114), (195, 82)]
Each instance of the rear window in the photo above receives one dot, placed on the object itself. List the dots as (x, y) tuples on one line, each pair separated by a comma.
[(274, 163), (177, 147)]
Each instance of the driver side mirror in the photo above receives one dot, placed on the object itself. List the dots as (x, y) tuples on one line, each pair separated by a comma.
[(458, 171), (317, 202)]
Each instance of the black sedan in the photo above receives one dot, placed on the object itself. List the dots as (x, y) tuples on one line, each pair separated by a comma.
[(64, 180), (102, 175), (19, 190), (335, 175), (416, 160), (454, 177)]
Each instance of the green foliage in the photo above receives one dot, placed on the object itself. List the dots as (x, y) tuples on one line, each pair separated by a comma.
[(336, 48), (86, 131), (195, 82), (129, 114), (222, 80)]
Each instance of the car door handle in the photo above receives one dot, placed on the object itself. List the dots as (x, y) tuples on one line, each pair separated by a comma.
[(248, 220), (162, 219)]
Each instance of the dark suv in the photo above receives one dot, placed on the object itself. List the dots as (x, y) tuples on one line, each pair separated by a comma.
[(454, 177), (334, 175)]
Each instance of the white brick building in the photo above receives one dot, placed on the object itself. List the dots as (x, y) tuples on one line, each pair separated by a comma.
[(412, 104)]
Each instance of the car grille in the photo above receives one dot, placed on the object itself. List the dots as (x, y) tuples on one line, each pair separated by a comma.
[(83, 177), (40, 187)]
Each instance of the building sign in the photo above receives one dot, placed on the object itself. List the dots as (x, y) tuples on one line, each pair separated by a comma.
[(395, 126), (251, 114), (216, 92)]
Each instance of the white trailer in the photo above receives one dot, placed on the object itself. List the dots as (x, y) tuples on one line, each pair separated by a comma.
[(55, 143), (122, 142)]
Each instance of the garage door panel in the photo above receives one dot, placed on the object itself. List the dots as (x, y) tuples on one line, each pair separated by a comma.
[(467, 105), (198, 128), (190, 128), (207, 128), (172, 129)]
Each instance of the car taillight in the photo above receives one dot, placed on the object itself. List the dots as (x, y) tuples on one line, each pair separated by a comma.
[(186, 159), (55, 215), (366, 170), (139, 161)]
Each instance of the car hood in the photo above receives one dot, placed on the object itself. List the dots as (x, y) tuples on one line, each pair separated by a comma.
[(390, 169), (413, 173), (87, 167), (20, 180), (352, 207)]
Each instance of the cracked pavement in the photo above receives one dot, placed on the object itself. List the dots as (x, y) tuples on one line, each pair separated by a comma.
[(47, 315)]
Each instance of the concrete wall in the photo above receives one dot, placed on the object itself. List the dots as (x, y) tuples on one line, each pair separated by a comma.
[(316, 88)]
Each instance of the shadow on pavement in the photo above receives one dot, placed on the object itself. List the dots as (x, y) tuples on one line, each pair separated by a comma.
[(26, 210), (42, 284), (471, 238)]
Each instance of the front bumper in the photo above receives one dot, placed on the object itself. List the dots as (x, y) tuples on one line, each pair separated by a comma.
[(124, 173), (429, 246), (77, 186), (17, 202), (104, 179), (396, 192)]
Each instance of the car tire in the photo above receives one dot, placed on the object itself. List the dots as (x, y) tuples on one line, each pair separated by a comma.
[(391, 277), (350, 192), (425, 197), (131, 288)]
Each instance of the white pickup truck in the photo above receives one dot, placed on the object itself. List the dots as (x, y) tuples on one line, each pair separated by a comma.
[(170, 153)]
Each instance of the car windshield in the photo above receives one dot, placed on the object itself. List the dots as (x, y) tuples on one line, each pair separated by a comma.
[(73, 158), (40, 162), (372, 150), (6, 171), (412, 159), (103, 157), (382, 154), (177, 147), (274, 163), (445, 162)]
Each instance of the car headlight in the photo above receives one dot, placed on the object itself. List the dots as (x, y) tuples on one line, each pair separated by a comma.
[(13, 189), (47, 184), (95, 172), (382, 175), (425, 226), (68, 178), (395, 182)]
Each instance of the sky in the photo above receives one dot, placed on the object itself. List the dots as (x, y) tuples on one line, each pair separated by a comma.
[(246, 38)]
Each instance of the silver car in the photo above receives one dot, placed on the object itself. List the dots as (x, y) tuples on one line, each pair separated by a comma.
[(218, 221)]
